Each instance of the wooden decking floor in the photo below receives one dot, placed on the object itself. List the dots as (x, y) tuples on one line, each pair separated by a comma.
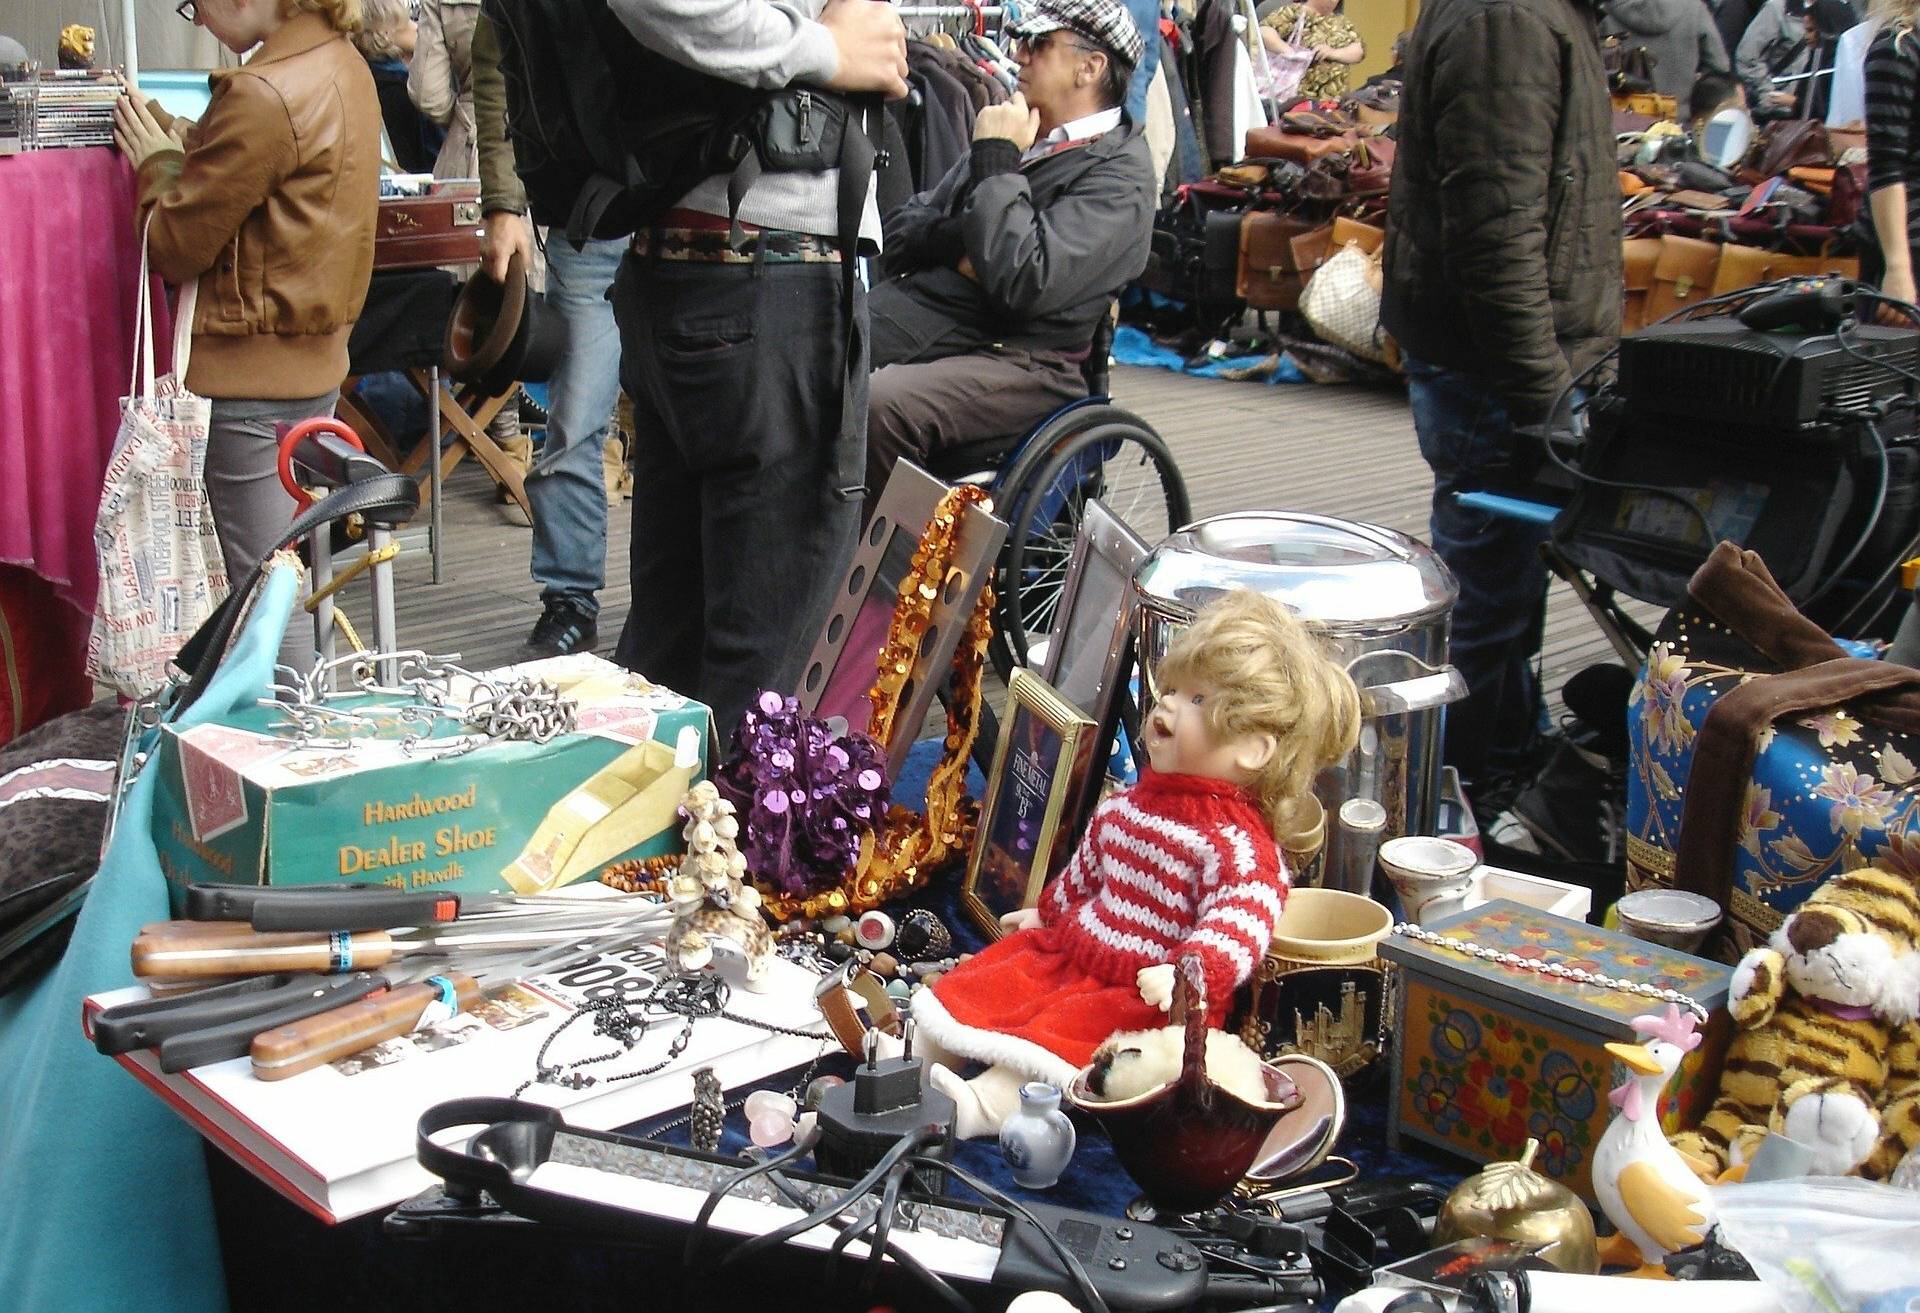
[(1343, 451)]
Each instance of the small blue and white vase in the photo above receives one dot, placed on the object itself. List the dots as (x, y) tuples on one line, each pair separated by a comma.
[(1038, 1141)]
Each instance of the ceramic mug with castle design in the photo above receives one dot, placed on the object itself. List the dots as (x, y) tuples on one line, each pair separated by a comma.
[(1321, 990)]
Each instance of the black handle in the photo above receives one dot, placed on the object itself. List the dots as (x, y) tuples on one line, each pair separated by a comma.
[(144, 1024), (233, 1038), (530, 1128), (320, 907)]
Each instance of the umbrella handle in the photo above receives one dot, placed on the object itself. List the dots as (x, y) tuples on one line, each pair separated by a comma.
[(1190, 997)]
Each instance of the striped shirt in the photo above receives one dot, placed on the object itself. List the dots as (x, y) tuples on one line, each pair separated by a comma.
[(1893, 136), (1177, 864)]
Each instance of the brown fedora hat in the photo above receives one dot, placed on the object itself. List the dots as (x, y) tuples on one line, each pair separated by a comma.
[(487, 317)]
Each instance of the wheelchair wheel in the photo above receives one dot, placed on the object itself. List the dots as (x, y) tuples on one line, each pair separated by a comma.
[(1106, 453)]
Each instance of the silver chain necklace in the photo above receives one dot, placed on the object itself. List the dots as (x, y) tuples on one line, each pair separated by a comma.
[(1557, 970)]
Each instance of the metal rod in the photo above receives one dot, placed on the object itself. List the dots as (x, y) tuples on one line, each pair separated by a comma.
[(433, 466), (323, 627), (385, 632)]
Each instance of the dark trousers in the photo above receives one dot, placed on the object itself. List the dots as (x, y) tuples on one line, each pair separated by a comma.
[(916, 409), (746, 491), (1466, 436)]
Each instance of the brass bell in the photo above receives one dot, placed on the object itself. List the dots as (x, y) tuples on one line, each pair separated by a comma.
[(1511, 1201)]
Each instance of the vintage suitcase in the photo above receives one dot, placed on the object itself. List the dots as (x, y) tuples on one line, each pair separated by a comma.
[(1269, 277), (1487, 1056), (423, 232), (1748, 266)]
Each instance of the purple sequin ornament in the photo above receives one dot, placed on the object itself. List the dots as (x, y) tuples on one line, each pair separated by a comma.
[(805, 799)]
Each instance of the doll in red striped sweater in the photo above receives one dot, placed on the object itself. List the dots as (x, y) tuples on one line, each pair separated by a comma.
[(1251, 707)]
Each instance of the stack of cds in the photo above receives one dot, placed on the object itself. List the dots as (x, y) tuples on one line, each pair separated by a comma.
[(73, 108), (13, 108)]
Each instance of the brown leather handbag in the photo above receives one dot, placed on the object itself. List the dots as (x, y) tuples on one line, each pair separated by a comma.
[(1788, 144), (1352, 232), (1372, 170), (1745, 266), (1682, 273), (1269, 275), (1300, 147), (1639, 255), (1311, 249)]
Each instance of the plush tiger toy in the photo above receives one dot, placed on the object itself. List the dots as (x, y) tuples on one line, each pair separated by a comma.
[(1824, 1011)]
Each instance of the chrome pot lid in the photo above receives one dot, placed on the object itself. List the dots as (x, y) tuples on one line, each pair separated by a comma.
[(1339, 575)]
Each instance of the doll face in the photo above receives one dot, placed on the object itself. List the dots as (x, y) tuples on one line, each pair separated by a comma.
[(1181, 742)]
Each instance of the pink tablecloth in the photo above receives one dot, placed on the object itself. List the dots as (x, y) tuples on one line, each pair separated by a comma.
[(69, 275)]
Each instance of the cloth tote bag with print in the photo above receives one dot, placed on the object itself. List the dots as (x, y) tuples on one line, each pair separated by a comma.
[(1278, 76), (161, 571)]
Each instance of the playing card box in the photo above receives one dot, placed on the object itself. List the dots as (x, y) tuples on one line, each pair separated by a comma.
[(246, 801), (1487, 1056)]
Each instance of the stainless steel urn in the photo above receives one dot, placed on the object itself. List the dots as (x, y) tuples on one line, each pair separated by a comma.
[(1380, 598)]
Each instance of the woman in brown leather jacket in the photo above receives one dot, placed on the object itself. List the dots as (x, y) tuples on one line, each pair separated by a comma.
[(267, 205)]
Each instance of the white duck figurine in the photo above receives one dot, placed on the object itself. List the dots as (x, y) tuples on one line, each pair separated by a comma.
[(1643, 1183)]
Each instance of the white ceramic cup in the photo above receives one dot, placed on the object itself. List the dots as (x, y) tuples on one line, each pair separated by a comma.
[(1432, 876)]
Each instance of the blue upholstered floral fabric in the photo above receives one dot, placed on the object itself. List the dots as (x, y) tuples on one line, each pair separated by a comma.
[(1829, 791)]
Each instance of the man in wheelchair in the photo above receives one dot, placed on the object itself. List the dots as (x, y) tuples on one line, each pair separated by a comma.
[(997, 279)]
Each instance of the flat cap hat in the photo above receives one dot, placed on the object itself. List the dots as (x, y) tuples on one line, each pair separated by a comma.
[(1104, 21)]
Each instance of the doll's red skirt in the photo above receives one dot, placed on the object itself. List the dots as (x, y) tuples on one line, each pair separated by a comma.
[(1021, 995)]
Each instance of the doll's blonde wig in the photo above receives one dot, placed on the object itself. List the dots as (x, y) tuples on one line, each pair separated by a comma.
[(1268, 675)]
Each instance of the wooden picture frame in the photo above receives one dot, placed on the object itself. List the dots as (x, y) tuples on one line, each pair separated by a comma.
[(1089, 654), (843, 664), (1045, 751)]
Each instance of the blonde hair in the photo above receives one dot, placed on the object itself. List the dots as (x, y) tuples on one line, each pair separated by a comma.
[(1898, 15), (343, 14), (379, 20), (1268, 675)]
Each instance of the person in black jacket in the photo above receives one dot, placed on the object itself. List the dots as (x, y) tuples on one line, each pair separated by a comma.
[(998, 277), (1502, 285)]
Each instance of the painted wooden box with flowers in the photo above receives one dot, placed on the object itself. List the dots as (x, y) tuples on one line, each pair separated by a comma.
[(1488, 1055)]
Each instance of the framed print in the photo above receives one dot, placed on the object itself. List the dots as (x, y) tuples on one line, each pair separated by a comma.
[(843, 664), (1044, 754), (1088, 655)]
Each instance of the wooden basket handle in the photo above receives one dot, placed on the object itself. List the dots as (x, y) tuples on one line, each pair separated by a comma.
[(1190, 998)]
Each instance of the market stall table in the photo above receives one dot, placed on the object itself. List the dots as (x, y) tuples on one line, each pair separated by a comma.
[(68, 286)]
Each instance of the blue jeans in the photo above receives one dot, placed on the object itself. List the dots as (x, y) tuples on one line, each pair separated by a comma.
[(565, 485), (1465, 436), (1146, 16)]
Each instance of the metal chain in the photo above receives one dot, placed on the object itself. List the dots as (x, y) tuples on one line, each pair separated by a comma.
[(1557, 970), (415, 702)]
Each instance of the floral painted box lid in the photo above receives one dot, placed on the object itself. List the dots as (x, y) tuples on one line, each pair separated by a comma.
[(1527, 932)]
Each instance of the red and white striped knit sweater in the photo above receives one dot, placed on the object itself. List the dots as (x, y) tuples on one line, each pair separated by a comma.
[(1175, 864)]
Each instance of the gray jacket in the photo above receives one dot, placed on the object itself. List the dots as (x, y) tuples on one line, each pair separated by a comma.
[(1775, 43), (757, 43), (1678, 34), (1051, 241)]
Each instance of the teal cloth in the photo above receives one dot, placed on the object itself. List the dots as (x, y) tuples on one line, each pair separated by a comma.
[(105, 1193)]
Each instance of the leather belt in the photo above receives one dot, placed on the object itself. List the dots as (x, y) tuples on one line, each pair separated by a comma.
[(710, 246)]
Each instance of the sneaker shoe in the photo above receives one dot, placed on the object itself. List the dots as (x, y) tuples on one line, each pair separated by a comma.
[(563, 627), (533, 415)]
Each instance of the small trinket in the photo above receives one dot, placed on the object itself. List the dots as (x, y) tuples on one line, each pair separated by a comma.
[(921, 936), (1038, 1141), (709, 1111), (898, 989), (770, 1117), (1511, 1201), (885, 964), (833, 925), (838, 951), (874, 931), (817, 1089)]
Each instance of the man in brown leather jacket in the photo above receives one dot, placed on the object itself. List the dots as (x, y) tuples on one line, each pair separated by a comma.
[(1502, 287)]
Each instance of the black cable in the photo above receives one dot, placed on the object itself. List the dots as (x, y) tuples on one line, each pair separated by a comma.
[(912, 1266), (906, 1146), (882, 1227), (1873, 517), (1091, 1300), (802, 1146), (1904, 554)]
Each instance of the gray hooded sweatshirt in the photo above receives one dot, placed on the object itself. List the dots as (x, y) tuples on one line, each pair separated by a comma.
[(1680, 36)]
